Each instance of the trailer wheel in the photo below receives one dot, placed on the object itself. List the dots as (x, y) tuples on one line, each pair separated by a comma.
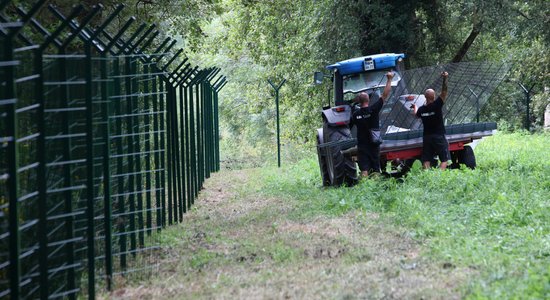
[(456, 157), (465, 156), (407, 166), (399, 168), (468, 157), (322, 161), (341, 169)]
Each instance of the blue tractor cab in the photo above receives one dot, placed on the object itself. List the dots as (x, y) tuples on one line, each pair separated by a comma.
[(365, 73)]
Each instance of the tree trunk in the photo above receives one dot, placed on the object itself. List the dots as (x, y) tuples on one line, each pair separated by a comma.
[(468, 42)]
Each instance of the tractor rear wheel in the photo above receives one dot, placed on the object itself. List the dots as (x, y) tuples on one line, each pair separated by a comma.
[(341, 168)]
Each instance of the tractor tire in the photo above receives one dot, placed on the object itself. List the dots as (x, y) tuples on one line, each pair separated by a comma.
[(468, 157), (322, 163), (465, 156), (341, 168)]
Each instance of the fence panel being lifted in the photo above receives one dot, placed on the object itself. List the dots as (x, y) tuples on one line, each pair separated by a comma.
[(106, 137)]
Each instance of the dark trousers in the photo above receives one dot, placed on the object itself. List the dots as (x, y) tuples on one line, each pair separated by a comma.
[(368, 157)]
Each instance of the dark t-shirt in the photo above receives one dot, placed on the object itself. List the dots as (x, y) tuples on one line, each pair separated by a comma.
[(432, 117), (366, 118)]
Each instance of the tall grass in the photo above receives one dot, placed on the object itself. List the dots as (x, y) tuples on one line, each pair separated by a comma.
[(494, 220)]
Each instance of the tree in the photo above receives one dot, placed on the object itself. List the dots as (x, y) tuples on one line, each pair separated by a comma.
[(256, 40)]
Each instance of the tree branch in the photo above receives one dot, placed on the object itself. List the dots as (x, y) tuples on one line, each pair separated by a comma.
[(523, 14), (476, 30)]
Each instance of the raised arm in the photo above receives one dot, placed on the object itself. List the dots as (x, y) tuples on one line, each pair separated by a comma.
[(443, 94), (414, 110), (387, 88)]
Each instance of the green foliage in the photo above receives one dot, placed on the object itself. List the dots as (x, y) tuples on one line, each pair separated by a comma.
[(493, 219), (253, 41)]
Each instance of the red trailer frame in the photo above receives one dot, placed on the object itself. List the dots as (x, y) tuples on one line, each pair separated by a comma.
[(417, 151)]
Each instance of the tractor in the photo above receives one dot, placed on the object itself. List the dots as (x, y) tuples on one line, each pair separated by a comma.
[(400, 130)]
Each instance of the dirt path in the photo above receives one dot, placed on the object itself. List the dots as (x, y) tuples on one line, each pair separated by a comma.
[(238, 244)]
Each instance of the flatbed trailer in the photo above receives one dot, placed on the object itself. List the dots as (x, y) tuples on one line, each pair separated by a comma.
[(405, 145), (402, 148)]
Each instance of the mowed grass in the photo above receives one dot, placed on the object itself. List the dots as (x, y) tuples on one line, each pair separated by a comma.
[(240, 243), (494, 220)]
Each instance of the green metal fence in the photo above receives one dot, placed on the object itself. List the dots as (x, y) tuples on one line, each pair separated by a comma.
[(105, 139)]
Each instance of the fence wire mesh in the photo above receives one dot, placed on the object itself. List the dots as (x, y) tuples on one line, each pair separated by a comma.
[(105, 139), (470, 86)]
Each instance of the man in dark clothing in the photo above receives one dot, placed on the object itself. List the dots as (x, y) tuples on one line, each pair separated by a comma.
[(434, 141), (366, 119)]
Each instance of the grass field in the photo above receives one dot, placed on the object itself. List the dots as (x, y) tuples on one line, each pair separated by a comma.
[(276, 233), (495, 219)]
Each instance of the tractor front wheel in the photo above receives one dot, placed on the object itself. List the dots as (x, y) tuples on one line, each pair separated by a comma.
[(341, 168), (322, 160)]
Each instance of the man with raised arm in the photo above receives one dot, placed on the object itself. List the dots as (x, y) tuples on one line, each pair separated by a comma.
[(434, 141), (366, 119)]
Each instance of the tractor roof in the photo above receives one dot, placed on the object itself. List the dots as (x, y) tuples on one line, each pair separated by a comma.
[(366, 63)]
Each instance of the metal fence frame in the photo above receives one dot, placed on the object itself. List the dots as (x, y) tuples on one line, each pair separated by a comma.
[(103, 142)]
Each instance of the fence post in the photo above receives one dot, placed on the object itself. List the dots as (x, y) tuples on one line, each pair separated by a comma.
[(185, 155), (9, 98), (162, 141), (154, 66), (527, 94), (200, 140), (277, 88), (69, 227), (107, 203), (171, 103), (119, 161), (177, 76), (196, 113), (178, 156), (210, 124), (217, 86), (220, 83), (186, 73), (106, 112), (156, 145), (169, 154), (147, 141), (90, 170), (158, 124), (41, 176), (106, 148), (192, 144)]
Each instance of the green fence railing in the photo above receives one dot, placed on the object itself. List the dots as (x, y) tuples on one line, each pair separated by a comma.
[(104, 140)]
